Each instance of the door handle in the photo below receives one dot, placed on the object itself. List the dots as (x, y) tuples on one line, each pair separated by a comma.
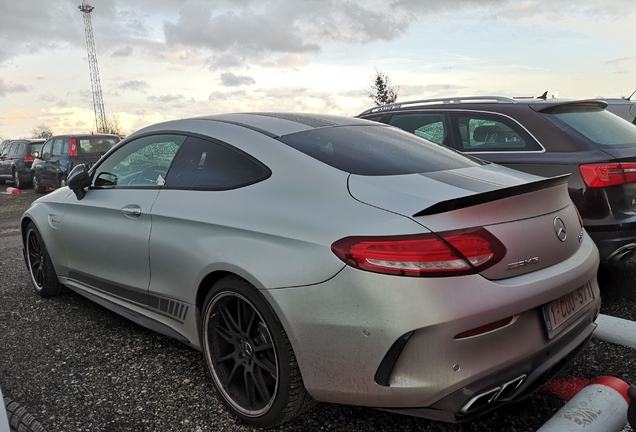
[(131, 210)]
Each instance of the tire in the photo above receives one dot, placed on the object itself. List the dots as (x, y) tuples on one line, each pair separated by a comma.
[(39, 264), (36, 184), (19, 184), (19, 419), (249, 356)]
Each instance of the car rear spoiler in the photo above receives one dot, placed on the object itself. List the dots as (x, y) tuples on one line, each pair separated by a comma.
[(548, 108), (484, 197)]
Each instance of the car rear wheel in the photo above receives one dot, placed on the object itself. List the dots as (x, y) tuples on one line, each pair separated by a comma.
[(249, 356), (40, 266)]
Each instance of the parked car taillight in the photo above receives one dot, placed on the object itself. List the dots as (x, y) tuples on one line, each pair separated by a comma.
[(608, 174), (449, 253), (73, 148), (28, 158)]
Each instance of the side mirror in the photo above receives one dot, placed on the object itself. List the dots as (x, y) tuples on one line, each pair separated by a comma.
[(78, 179)]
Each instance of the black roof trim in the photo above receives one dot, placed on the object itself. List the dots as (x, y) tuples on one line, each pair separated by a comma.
[(482, 198)]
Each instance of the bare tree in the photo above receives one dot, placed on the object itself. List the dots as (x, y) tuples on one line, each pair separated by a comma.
[(381, 92), (42, 131), (113, 126)]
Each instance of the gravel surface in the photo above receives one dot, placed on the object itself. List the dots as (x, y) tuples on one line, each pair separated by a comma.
[(76, 366)]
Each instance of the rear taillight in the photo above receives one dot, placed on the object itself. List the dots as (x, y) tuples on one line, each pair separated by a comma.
[(28, 158), (608, 174), (72, 151), (449, 253)]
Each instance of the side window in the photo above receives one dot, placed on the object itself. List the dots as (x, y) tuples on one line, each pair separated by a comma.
[(210, 165), (142, 162), (57, 147), (425, 125), (7, 150), (18, 149), (490, 133), (46, 149)]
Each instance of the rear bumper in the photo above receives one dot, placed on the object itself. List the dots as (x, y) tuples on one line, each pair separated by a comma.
[(510, 385), (344, 330)]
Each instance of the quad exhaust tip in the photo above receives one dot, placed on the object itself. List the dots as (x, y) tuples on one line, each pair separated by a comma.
[(500, 393)]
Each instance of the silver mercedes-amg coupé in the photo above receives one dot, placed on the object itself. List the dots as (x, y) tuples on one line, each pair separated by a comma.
[(323, 258)]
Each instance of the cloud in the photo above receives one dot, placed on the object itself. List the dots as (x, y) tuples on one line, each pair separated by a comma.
[(5, 88), (173, 101), (228, 79), (134, 85), (125, 51), (623, 64), (254, 32), (48, 97)]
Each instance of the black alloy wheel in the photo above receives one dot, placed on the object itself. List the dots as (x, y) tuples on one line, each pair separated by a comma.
[(40, 266), (250, 357)]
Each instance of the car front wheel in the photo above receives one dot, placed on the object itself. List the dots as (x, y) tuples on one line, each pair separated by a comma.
[(19, 184), (249, 356), (37, 186), (40, 266)]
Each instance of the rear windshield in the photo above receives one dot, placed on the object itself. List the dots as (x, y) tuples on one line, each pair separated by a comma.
[(594, 123), (96, 145), (35, 148), (376, 150)]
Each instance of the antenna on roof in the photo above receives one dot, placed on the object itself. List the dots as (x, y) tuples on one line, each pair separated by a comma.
[(630, 96), (544, 96)]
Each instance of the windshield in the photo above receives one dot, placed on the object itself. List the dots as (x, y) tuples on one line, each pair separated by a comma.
[(376, 150), (595, 124)]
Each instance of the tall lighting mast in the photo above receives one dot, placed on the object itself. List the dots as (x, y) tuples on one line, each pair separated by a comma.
[(98, 101)]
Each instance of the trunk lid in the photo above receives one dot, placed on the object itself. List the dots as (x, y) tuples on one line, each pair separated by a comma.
[(532, 217)]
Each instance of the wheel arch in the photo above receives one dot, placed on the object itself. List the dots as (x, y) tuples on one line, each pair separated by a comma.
[(206, 285)]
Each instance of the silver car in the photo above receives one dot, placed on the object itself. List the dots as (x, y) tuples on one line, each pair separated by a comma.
[(322, 258)]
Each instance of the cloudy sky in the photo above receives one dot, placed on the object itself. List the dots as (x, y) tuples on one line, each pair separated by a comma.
[(165, 59)]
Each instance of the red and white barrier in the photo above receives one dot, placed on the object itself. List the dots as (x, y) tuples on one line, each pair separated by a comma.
[(13, 191), (601, 406)]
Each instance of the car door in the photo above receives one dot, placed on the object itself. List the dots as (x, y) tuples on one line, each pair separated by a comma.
[(195, 214), (39, 167), (107, 232), (5, 161)]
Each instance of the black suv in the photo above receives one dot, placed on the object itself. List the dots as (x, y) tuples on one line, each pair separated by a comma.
[(61, 153), (546, 137), (15, 161)]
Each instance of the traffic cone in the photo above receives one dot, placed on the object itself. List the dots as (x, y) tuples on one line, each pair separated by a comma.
[(601, 406)]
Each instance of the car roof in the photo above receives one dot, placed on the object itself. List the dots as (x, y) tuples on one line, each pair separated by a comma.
[(85, 135), (29, 140), (272, 124), (468, 102)]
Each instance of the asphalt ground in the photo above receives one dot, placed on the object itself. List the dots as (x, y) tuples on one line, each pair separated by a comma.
[(76, 366)]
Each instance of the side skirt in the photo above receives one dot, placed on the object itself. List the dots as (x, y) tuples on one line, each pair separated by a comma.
[(137, 316)]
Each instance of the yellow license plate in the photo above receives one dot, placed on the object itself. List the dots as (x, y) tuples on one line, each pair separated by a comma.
[(559, 311)]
